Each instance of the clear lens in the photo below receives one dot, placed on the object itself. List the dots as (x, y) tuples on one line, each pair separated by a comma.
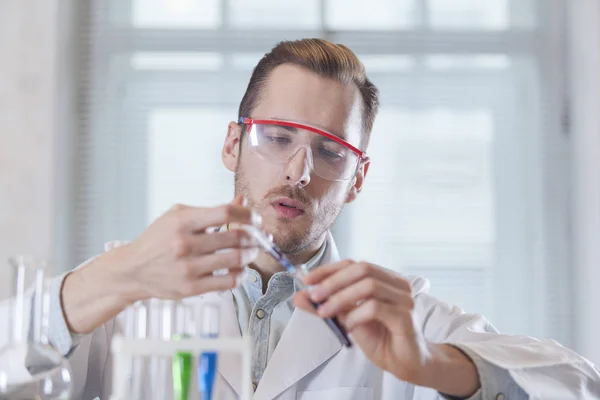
[(279, 144)]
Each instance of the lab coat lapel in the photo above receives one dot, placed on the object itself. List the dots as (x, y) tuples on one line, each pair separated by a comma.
[(305, 344)]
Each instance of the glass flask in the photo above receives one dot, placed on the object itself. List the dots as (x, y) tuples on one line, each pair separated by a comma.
[(30, 368)]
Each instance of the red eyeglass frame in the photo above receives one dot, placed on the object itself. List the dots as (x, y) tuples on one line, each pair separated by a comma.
[(249, 122)]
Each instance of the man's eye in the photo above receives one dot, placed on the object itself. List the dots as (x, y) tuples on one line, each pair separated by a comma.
[(278, 139), (331, 154)]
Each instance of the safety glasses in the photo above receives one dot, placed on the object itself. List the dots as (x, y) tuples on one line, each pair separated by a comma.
[(329, 156)]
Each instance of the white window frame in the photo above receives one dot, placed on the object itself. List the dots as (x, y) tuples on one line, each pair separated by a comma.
[(129, 102)]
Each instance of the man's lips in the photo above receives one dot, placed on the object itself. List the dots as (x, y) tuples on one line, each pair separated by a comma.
[(290, 203), (288, 208)]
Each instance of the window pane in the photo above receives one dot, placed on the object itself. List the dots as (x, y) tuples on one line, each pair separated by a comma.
[(373, 62), (265, 14), (386, 63), (176, 13), (481, 62), (245, 61), (429, 195), (430, 181), (478, 14), (466, 287), (184, 158), (176, 61), (488, 14), (371, 15)]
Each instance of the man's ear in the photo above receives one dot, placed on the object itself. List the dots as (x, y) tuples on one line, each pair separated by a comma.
[(358, 181), (231, 147)]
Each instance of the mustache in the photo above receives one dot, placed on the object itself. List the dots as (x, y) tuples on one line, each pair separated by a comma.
[(294, 193)]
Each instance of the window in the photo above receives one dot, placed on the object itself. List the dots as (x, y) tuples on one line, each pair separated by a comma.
[(459, 190)]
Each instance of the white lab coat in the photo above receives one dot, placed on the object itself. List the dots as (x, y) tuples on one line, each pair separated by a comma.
[(310, 363)]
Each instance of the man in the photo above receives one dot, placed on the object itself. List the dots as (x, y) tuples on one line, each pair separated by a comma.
[(298, 153)]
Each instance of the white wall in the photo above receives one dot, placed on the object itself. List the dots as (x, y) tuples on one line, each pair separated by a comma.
[(584, 57), (30, 119)]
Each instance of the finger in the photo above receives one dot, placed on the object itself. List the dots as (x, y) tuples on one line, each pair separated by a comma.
[(363, 290), (225, 259), (208, 243), (211, 283), (353, 273), (194, 219), (302, 301), (373, 310)]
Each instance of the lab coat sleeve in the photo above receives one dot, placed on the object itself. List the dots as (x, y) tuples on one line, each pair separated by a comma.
[(88, 354), (518, 367), (59, 334), (495, 382)]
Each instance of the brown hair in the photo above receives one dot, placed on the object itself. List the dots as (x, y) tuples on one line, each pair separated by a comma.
[(327, 59)]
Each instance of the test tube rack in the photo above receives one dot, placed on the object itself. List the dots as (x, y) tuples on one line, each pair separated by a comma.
[(124, 348)]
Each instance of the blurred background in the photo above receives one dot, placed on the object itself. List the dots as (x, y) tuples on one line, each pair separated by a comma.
[(485, 173)]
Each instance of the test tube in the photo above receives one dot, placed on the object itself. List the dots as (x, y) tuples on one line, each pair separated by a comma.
[(139, 377), (207, 363), (164, 363), (168, 320), (182, 363)]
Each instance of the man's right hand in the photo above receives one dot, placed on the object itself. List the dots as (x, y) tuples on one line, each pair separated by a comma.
[(175, 257)]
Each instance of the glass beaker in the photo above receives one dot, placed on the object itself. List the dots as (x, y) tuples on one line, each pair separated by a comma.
[(30, 368)]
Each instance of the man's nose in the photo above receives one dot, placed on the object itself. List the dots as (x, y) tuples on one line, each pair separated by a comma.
[(297, 169)]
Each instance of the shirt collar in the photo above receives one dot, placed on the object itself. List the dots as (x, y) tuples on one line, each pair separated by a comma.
[(282, 279)]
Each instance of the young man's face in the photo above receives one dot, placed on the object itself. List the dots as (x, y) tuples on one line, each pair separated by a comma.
[(296, 94)]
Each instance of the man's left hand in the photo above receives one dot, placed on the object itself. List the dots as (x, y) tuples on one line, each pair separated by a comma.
[(376, 306)]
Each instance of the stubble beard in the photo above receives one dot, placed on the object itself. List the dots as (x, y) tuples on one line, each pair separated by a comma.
[(291, 241)]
